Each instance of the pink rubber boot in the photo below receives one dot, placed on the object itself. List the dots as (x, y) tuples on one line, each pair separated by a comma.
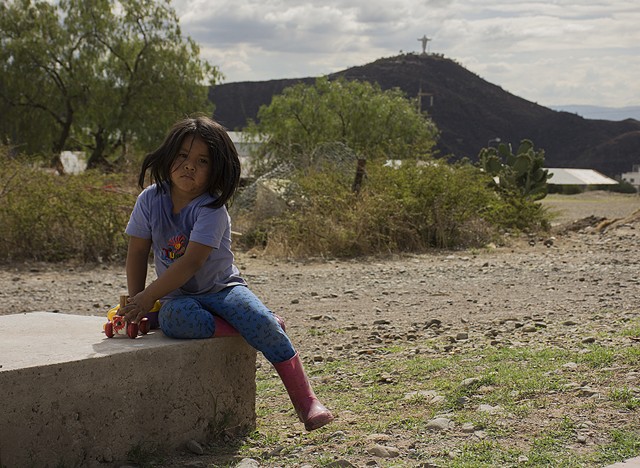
[(310, 411)]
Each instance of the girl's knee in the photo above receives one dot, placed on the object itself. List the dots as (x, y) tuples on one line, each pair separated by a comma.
[(168, 314), (185, 319)]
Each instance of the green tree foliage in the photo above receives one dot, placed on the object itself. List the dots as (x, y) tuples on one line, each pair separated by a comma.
[(99, 76), (373, 123)]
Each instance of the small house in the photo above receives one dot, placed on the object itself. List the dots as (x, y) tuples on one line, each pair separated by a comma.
[(633, 177)]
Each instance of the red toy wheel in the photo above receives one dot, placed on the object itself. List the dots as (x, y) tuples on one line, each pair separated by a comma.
[(108, 329), (132, 330), (144, 326)]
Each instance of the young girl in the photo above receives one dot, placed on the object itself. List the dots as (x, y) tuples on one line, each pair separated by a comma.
[(182, 217)]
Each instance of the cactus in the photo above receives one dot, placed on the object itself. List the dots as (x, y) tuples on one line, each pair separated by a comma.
[(521, 173)]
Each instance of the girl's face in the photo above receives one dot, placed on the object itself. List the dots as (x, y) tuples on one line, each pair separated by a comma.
[(191, 170)]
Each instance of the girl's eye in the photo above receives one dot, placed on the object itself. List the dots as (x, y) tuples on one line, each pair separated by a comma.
[(204, 161)]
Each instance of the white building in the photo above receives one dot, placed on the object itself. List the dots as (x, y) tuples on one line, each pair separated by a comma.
[(74, 162), (245, 147), (582, 177), (633, 177)]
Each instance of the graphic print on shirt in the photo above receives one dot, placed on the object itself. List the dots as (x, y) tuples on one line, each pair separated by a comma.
[(175, 248)]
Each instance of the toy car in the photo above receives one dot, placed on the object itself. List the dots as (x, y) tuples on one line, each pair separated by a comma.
[(117, 325)]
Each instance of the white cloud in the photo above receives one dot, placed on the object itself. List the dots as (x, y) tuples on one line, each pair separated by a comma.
[(562, 51)]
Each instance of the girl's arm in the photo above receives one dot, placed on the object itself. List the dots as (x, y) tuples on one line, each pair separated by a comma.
[(137, 263), (178, 273)]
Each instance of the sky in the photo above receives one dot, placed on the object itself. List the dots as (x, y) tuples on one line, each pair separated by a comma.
[(554, 53)]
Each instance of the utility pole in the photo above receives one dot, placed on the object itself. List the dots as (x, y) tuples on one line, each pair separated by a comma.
[(422, 94)]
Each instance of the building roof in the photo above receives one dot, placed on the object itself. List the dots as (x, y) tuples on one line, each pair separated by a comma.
[(560, 176)]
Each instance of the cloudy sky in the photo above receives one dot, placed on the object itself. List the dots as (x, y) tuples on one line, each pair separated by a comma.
[(553, 52)]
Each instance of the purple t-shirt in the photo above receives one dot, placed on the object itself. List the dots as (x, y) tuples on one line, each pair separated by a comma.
[(152, 218)]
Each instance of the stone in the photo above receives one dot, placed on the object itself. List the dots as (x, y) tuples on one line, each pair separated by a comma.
[(383, 451), (469, 382), (342, 463), (468, 428), (490, 409), (439, 424), (194, 447), (248, 463)]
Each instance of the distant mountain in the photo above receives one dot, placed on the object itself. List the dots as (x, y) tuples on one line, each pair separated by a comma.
[(602, 113), (469, 111)]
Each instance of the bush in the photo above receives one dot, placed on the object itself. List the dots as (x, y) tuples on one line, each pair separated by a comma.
[(566, 189), (412, 208), (621, 187), (52, 218)]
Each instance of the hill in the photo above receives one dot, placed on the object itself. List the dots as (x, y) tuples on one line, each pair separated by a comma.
[(469, 111)]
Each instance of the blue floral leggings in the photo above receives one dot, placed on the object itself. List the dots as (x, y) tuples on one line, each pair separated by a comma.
[(193, 317)]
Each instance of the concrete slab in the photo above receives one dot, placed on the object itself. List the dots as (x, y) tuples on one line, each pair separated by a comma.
[(632, 463), (45, 338), (73, 397)]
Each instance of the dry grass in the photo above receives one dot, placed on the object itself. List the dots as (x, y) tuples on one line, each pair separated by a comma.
[(569, 208)]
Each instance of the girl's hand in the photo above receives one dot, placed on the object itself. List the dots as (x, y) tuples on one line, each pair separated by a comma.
[(137, 307)]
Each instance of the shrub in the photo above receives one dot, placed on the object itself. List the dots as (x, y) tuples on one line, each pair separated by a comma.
[(621, 187), (52, 218), (411, 208), (566, 189)]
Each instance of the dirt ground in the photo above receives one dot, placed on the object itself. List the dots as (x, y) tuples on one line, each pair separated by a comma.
[(301, 290), (590, 262)]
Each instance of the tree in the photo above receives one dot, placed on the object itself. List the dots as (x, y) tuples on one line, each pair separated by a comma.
[(372, 122), (99, 76), (33, 74)]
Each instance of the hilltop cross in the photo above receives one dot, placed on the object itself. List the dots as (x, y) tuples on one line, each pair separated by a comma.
[(424, 39)]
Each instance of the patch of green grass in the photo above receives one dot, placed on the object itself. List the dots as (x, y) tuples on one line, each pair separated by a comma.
[(420, 365), (382, 395), (633, 331), (624, 444), (630, 355), (398, 348), (598, 356), (415, 422), (482, 454), (625, 398), (552, 448), (507, 375)]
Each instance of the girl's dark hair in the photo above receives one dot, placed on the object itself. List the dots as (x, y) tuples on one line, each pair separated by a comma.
[(225, 170)]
